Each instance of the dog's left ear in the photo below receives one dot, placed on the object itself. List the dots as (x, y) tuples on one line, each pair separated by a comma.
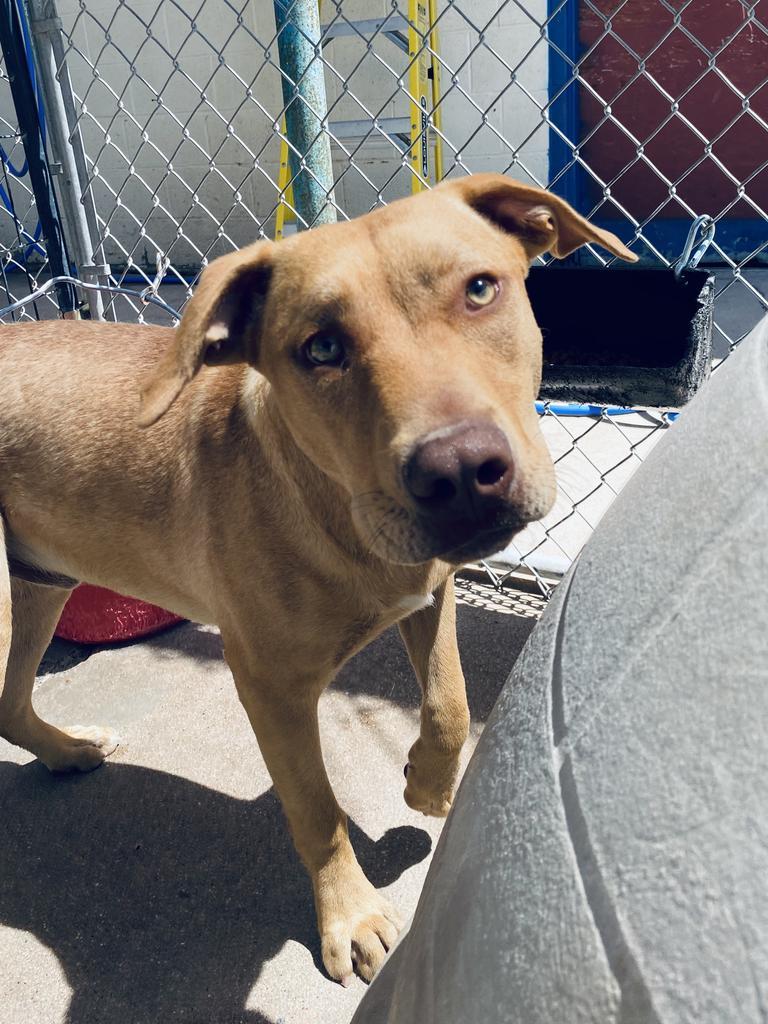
[(221, 324), (542, 221)]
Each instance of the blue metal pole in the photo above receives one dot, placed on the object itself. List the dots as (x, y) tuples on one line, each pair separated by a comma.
[(563, 35), (298, 41), (32, 136)]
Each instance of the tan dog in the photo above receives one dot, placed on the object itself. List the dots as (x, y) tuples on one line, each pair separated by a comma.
[(340, 420)]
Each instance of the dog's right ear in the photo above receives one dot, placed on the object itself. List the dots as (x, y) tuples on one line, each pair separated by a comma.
[(221, 324)]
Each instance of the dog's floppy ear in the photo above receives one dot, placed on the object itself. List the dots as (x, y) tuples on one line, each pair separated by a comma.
[(541, 220), (221, 324)]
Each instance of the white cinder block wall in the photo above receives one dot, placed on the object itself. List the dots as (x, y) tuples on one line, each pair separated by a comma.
[(178, 120)]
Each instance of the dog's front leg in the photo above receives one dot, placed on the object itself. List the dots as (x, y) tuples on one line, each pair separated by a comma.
[(433, 760), (357, 925)]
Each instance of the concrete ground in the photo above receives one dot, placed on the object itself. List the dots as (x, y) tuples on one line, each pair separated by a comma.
[(164, 886)]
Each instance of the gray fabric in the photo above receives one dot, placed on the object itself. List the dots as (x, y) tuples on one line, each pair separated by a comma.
[(607, 856)]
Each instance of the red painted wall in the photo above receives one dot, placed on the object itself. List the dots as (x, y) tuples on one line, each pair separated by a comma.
[(711, 105)]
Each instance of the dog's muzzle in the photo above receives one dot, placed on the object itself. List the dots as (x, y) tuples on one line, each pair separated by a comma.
[(459, 481)]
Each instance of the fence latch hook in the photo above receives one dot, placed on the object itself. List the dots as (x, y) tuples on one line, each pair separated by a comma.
[(162, 262), (690, 258)]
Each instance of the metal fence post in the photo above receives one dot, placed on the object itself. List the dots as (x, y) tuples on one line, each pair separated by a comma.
[(303, 82), (77, 207)]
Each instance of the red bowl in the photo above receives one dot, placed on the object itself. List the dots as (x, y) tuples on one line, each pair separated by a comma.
[(93, 615)]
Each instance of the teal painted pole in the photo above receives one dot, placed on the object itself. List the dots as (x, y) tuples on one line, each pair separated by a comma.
[(303, 79)]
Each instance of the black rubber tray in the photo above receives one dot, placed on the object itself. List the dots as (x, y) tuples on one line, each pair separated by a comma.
[(623, 336)]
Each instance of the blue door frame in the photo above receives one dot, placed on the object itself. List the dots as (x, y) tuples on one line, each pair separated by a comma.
[(738, 237)]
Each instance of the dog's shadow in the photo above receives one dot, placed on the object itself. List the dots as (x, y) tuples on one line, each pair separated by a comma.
[(161, 898)]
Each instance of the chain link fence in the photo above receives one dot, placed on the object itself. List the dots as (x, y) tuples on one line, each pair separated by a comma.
[(642, 113)]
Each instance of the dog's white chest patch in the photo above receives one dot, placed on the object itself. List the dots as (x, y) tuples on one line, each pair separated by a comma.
[(415, 602)]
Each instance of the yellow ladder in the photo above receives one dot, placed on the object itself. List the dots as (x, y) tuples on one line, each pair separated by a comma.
[(424, 86), (419, 134)]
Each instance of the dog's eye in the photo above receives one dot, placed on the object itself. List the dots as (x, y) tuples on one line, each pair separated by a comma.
[(324, 349), (481, 291)]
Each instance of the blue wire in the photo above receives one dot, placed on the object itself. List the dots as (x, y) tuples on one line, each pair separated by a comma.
[(6, 201), (575, 409), (4, 198), (28, 53), (35, 238), (17, 172)]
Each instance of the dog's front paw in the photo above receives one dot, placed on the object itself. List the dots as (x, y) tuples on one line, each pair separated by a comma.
[(357, 925), (430, 780), (78, 748)]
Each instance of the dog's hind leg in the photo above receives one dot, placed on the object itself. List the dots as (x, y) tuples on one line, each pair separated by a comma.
[(28, 616)]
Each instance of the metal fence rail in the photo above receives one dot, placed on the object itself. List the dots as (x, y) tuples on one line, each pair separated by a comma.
[(643, 113)]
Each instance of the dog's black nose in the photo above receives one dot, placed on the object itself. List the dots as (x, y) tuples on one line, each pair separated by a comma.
[(460, 473)]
